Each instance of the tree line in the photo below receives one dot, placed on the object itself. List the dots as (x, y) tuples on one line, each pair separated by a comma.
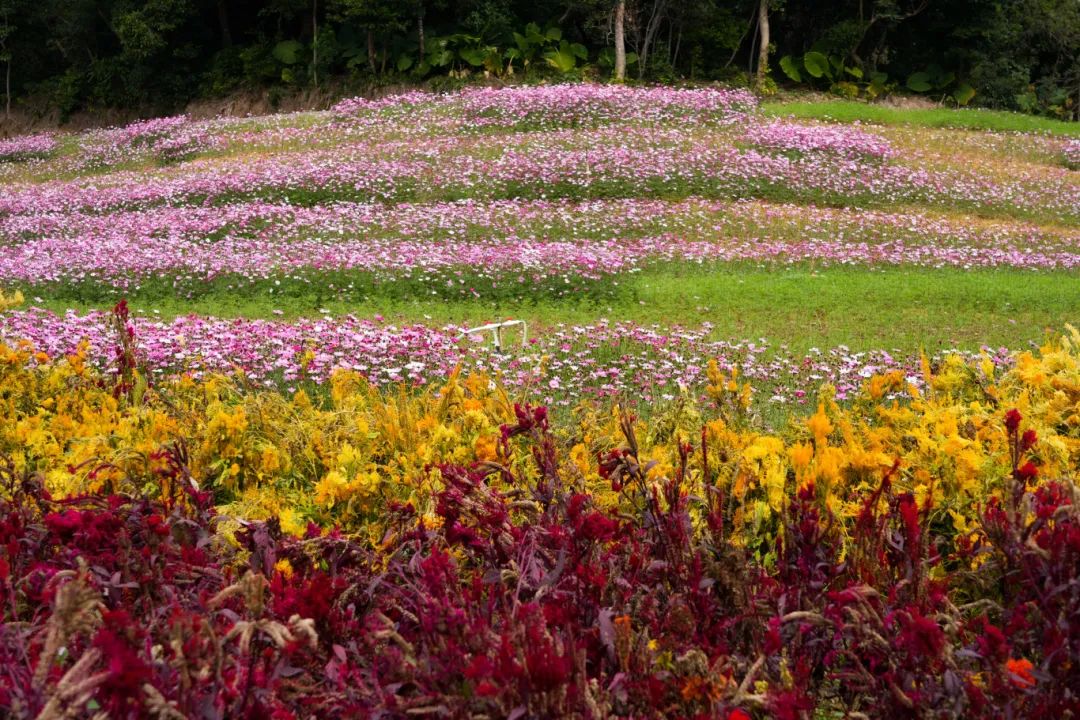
[(160, 54)]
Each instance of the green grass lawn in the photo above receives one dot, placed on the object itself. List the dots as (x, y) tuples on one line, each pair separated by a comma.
[(898, 308), (965, 118)]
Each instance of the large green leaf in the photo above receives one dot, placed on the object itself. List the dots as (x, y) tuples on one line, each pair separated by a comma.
[(963, 94), (562, 59), (919, 82), (877, 86), (475, 56), (791, 68), (440, 58), (287, 52), (816, 64)]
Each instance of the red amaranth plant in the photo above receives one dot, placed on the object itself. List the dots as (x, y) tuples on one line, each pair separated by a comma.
[(126, 362), (533, 601)]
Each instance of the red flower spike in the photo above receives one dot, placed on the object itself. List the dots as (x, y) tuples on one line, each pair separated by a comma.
[(1028, 440), (1027, 472), (1012, 420)]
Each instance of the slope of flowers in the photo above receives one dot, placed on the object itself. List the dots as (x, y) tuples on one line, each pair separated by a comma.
[(629, 161), (166, 140), (1071, 153), (562, 366), (514, 194), (849, 142), (461, 248), (915, 559), (630, 158), (553, 106), (26, 147)]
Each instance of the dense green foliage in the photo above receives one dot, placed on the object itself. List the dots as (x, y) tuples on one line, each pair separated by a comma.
[(156, 55)]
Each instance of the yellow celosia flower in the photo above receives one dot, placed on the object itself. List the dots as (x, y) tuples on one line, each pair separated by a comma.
[(800, 455), (820, 426), (292, 523), (13, 300), (284, 567), (261, 452), (330, 489), (486, 447), (579, 455)]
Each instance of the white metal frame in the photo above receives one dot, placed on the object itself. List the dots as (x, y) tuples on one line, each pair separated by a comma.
[(496, 332)]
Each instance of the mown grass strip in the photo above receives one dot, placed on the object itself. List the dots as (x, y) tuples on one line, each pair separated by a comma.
[(963, 118), (895, 308)]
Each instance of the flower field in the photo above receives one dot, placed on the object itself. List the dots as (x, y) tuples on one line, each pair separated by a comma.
[(452, 552), (792, 431)]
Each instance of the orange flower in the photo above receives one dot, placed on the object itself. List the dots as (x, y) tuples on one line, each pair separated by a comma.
[(624, 636), (1020, 672), (699, 688)]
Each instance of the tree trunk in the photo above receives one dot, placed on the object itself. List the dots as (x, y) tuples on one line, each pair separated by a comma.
[(371, 50), (620, 41), (420, 29), (315, 42), (678, 44), (223, 24), (655, 18), (8, 56), (763, 43)]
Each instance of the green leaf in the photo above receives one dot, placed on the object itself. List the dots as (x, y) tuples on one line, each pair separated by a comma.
[(919, 82), (404, 63), (288, 52), (943, 81), (790, 67), (561, 59), (475, 56), (441, 58), (854, 72), (963, 94), (816, 64), (554, 34)]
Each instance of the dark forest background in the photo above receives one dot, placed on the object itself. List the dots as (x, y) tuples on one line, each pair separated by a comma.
[(72, 55)]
